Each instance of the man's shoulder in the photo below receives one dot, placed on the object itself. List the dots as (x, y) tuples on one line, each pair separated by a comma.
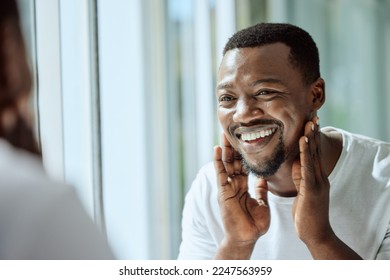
[(358, 142), (205, 182), (207, 175), (362, 158), (207, 170)]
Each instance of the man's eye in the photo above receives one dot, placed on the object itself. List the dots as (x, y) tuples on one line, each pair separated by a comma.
[(225, 98), (264, 92)]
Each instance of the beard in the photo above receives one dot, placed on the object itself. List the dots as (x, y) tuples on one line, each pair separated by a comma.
[(271, 165)]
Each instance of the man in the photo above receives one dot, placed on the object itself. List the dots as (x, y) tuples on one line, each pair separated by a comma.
[(39, 219), (281, 188)]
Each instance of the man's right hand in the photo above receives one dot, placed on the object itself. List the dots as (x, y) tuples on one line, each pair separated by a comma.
[(245, 219)]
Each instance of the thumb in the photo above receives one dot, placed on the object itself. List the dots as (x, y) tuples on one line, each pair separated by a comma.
[(261, 192), (296, 173)]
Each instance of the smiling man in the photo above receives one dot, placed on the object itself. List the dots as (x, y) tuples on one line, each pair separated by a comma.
[(281, 187)]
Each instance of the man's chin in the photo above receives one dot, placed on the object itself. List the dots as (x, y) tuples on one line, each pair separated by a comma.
[(258, 170), (267, 167)]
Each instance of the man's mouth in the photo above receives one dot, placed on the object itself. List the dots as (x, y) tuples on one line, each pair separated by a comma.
[(251, 135), (257, 135)]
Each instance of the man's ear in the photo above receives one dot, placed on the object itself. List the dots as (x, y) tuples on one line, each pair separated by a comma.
[(14, 70), (317, 94)]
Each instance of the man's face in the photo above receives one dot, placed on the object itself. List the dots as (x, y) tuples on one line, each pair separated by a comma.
[(263, 104)]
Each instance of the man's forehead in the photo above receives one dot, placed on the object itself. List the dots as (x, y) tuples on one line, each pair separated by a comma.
[(266, 57), (239, 54)]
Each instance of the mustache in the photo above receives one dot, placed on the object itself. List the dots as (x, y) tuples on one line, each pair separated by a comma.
[(233, 127)]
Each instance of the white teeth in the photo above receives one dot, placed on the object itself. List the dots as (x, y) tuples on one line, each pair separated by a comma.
[(257, 135)]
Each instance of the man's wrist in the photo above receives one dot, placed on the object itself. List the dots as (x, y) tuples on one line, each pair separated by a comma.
[(229, 250), (332, 248)]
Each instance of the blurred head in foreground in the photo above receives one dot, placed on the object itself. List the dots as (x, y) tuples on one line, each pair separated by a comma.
[(15, 82), (39, 218)]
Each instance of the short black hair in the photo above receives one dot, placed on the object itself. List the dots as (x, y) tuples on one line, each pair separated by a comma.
[(303, 50)]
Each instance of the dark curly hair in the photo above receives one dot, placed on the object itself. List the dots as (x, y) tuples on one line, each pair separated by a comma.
[(303, 50)]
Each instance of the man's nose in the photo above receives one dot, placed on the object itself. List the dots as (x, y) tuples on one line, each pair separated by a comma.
[(246, 111)]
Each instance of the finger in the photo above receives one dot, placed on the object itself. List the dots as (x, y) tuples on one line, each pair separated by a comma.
[(296, 172), (222, 176), (316, 120), (237, 164), (227, 155), (261, 192), (307, 169), (244, 171), (311, 131), (317, 139)]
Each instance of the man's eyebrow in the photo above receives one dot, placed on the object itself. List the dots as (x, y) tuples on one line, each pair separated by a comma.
[(255, 83), (269, 80), (224, 86)]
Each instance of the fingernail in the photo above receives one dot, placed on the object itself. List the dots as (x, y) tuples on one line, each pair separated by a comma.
[(262, 202), (312, 127), (306, 139), (318, 121)]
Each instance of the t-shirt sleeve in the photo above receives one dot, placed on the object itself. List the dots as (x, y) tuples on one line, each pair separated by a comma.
[(197, 238)]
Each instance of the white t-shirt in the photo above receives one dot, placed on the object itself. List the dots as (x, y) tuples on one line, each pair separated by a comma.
[(359, 208), (41, 219)]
